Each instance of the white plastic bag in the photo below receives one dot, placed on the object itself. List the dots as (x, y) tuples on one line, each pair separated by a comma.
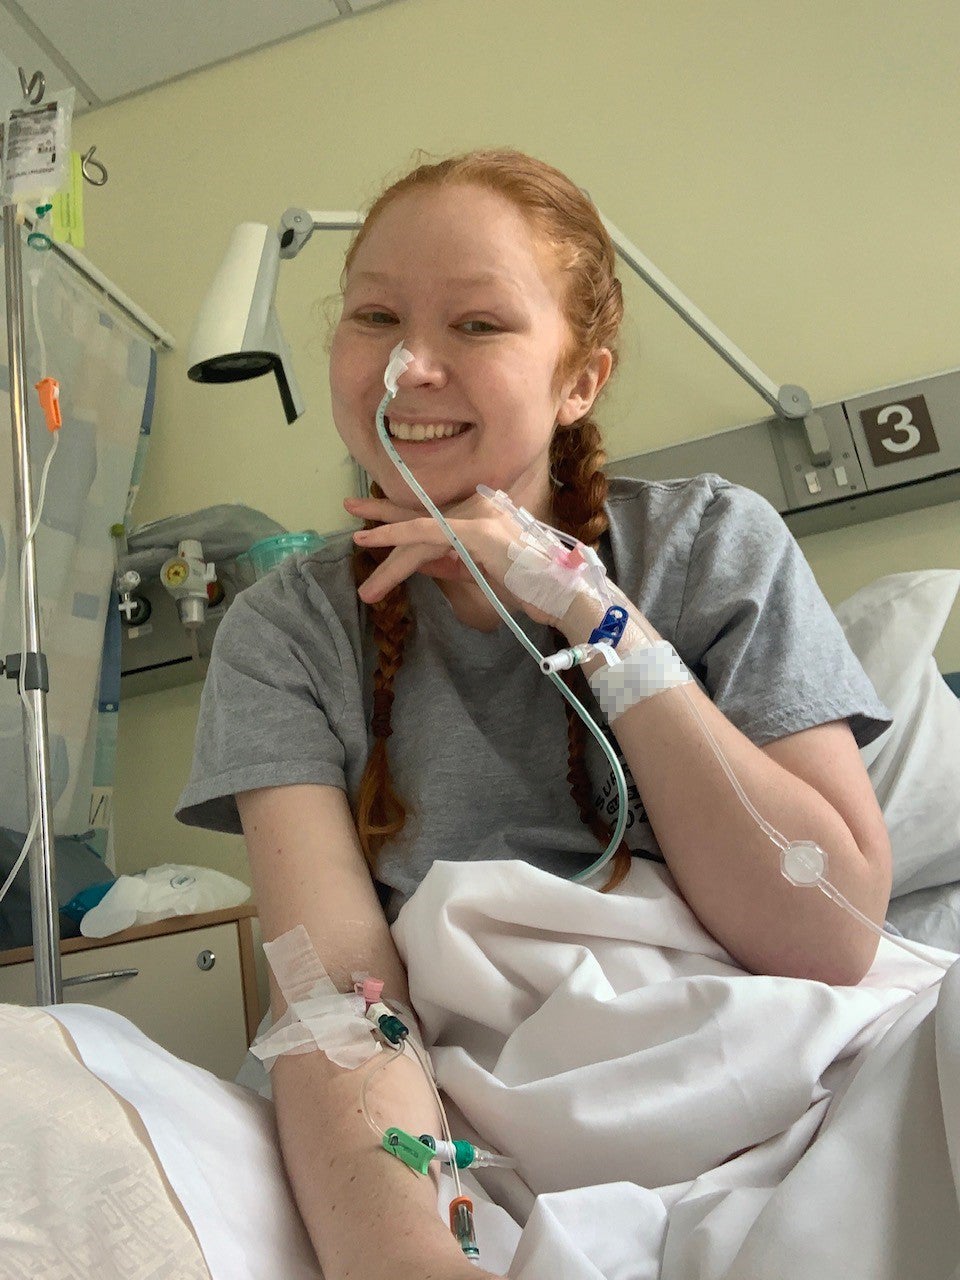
[(159, 893)]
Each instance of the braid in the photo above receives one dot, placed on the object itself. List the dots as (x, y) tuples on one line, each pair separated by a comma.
[(568, 227), (381, 812), (577, 459)]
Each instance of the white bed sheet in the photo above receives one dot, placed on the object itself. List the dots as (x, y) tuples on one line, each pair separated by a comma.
[(673, 1117)]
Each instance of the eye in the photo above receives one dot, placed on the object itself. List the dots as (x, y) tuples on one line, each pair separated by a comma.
[(371, 316), (487, 327)]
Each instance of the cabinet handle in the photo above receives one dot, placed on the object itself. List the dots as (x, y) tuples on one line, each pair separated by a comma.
[(100, 977)]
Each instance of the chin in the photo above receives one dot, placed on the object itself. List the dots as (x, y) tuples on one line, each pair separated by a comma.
[(398, 491)]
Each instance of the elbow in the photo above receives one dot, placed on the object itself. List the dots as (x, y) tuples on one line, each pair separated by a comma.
[(846, 948), (851, 965), (843, 964)]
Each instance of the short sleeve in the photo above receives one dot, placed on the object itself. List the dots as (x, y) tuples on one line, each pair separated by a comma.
[(756, 629), (274, 696)]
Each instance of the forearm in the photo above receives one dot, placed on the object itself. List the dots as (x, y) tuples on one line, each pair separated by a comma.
[(727, 869), (368, 1214)]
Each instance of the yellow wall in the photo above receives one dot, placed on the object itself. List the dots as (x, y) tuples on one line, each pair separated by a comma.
[(792, 167)]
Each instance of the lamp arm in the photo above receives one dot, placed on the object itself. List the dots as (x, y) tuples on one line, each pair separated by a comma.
[(298, 225), (788, 401)]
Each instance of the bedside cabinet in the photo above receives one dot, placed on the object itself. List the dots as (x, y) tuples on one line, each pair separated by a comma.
[(188, 983)]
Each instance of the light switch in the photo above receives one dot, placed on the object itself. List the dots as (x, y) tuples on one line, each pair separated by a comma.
[(813, 481), (840, 474)]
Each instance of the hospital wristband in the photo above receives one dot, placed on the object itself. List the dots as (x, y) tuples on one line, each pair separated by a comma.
[(643, 673)]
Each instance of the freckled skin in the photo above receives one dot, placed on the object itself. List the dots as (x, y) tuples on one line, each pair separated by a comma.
[(485, 354)]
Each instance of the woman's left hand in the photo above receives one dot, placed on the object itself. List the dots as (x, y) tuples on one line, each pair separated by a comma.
[(421, 546)]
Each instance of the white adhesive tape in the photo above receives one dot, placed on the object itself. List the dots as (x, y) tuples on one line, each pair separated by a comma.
[(539, 581), (317, 1016)]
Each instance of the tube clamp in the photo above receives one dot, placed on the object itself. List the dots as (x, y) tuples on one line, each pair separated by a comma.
[(35, 672)]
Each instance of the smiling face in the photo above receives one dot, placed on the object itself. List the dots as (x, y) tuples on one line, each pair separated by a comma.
[(456, 274)]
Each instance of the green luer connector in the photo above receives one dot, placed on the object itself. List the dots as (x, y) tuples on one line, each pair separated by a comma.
[(465, 1153), (409, 1149)]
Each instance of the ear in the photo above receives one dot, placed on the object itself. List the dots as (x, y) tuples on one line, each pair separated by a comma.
[(578, 395)]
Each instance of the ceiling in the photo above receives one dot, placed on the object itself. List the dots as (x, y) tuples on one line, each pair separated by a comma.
[(111, 49)]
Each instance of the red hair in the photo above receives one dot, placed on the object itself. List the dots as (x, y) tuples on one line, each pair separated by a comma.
[(566, 225)]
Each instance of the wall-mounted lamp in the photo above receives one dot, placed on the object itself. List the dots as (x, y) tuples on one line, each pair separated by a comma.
[(237, 334), (819, 466)]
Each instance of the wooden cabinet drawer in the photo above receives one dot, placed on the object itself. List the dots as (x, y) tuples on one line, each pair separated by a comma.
[(198, 1013)]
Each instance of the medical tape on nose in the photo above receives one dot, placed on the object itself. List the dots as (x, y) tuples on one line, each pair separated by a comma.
[(400, 359), (545, 583), (318, 1016)]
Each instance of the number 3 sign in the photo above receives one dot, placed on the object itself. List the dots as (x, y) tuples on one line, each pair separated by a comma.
[(896, 432)]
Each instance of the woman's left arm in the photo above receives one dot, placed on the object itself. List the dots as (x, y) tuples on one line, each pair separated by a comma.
[(810, 785)]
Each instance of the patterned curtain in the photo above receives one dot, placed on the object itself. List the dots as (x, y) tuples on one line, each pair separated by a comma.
[(107, 375)]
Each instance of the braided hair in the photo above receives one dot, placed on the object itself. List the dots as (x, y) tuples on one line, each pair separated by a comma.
[(570, 233)]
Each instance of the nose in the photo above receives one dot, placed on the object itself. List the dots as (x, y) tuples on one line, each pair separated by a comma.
[(427, 367)]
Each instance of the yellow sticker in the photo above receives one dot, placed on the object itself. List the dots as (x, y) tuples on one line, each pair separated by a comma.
[(67, 215)]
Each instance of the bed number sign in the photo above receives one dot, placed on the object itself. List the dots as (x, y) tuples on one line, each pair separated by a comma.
[(900, 431)]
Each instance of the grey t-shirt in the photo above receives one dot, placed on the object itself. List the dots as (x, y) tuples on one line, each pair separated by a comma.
[(479, 744)]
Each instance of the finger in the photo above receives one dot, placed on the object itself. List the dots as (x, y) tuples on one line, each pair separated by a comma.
[(406, 533), (381, 509)]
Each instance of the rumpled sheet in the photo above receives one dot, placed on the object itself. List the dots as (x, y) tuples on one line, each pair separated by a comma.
[(671, 1115)]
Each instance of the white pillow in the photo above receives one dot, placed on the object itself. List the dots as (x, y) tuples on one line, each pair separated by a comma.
[(893, 625)]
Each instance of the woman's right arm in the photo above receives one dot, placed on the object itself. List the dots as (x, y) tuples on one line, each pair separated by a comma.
[(367, 1214)]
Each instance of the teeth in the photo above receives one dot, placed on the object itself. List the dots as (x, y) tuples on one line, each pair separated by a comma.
[(424, 430)]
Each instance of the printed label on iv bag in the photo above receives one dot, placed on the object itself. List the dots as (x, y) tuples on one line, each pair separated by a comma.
[(36, 150)]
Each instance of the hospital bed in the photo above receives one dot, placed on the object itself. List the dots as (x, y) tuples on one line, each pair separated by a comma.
[(673, 1116)]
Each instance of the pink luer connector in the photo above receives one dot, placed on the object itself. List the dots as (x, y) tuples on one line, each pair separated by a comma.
[(370, 988), (570, 558)]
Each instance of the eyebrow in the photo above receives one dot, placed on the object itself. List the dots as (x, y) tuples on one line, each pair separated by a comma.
[(482, 277)]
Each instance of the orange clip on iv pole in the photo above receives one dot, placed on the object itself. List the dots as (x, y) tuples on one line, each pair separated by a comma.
[(48, 390)]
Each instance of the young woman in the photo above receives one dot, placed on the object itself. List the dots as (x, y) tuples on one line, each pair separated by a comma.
[(366, 711)]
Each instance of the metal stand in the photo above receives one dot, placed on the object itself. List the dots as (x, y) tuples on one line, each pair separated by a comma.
[(32, 677)]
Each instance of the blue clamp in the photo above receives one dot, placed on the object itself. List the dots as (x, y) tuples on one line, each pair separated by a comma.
[(612, 626)]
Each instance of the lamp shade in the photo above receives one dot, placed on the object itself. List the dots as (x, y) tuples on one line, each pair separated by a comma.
[(236, 335)]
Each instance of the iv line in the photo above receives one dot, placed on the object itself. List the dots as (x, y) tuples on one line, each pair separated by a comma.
[(41, 498), (803, 870), (522, 636)]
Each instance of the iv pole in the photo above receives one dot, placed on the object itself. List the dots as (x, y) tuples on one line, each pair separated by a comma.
[(30, 667), (31, 671)]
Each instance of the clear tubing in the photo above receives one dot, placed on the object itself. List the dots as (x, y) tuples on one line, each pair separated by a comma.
[(428, 1074), (775, 836), (34, 281), (487, 1160), (780, 841), (384, 1062), (524, 639), (21, 856), (18, 863), (444, 1125), (834, 894)]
